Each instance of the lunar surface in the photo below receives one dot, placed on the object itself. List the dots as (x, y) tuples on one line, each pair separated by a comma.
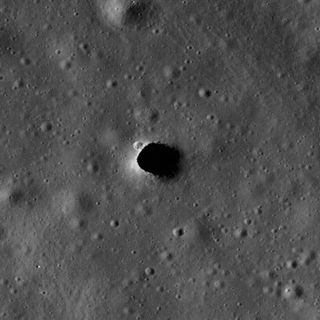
[(160, 160)]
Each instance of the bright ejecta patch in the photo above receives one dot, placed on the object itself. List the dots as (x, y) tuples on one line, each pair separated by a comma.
[(113, 10), (132, 167)]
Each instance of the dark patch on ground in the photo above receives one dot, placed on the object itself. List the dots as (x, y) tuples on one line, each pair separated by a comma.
[(86, 202), (141, 15)]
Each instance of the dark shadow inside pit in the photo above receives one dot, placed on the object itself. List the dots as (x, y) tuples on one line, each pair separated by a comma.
[(160, 160)]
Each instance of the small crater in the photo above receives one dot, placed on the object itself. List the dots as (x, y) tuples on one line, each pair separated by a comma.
[(92, 167), (311, 257), (288, 292), (204, 93), (240, 233), (149, 271), (171, 72), (77, 224), (84, 48), (25, 61), (46, 126), (111, 83), (292, 264), (96, 236), (18, 84), (65, 64), (166, 256), (292, 290), (114, 223), (178, 232)]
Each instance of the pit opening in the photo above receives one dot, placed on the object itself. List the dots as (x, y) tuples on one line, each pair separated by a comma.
[(160, 160)]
